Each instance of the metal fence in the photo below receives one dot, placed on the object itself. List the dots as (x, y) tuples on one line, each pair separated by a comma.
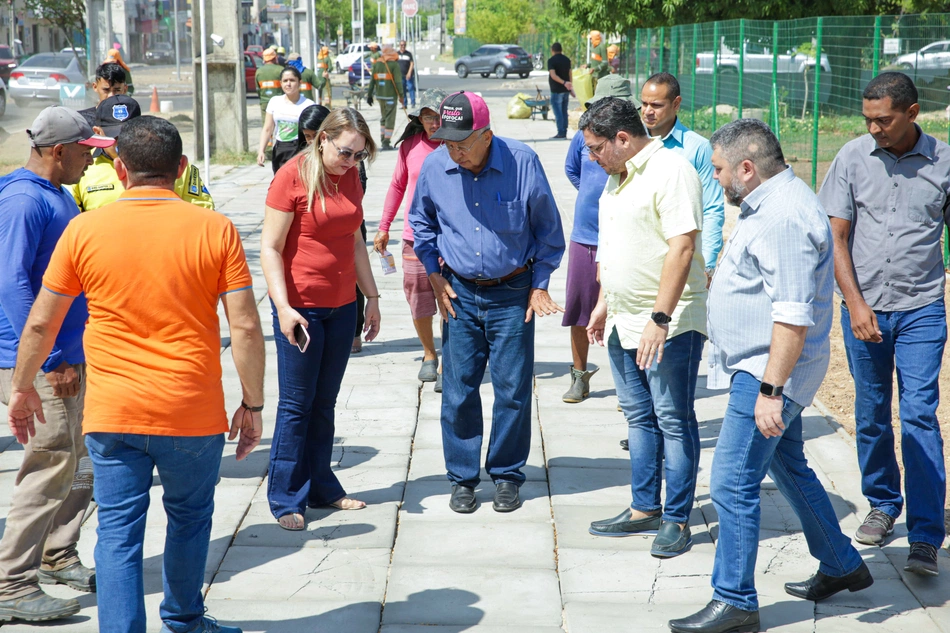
[(803, 77)]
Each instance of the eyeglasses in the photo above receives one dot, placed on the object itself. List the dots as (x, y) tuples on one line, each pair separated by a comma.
[(347, 154), (595, 150), (458, 149), (429, 118)]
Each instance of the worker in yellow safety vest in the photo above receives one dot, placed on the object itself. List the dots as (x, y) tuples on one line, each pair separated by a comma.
[(268, 79), (100, 184)]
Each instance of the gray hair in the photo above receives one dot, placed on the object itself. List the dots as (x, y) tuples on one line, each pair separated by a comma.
[(752, 140)]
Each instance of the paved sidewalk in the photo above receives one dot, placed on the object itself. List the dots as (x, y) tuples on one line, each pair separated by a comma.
[(407, 564)]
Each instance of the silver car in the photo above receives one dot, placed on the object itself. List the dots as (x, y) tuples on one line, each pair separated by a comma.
[(41, 77)]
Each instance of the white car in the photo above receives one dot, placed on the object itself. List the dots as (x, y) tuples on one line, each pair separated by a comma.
[(936, 55), (349, 56)]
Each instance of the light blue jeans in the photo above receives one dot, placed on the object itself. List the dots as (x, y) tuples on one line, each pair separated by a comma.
[(743, 456), (663, 434), (122, 467)]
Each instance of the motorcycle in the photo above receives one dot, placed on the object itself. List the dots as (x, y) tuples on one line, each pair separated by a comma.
[(538, 59)]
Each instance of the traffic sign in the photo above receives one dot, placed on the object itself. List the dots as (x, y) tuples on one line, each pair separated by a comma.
[(410, 7)]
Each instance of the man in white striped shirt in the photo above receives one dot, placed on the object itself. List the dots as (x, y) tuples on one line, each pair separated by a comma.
[(769, 316)]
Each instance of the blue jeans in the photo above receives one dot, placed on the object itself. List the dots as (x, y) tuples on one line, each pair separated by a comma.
[(409, 90), (299, 474), (662, 431), (743, 457), (489, 326), (122, 468), (914, 340), (559, 105)]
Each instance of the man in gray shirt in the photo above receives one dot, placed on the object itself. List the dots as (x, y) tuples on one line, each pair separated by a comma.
[(769, 315), (887, 195)]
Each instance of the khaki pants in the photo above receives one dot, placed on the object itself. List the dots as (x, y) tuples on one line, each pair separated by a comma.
[(53, 490)]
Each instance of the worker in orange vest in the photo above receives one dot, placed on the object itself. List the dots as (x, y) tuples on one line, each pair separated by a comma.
[(386, 85), (268, 80), (324, 63), (598, 56)]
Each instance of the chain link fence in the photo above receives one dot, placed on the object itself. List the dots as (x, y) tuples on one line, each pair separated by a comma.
[(803, 77)]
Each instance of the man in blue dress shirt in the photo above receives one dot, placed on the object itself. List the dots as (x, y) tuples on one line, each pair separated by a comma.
[(483, 205), (661, 103)]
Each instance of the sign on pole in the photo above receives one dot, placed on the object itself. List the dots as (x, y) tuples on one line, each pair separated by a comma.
[(410, 7)]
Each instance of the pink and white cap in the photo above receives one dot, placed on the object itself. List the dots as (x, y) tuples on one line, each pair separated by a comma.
[(462, 113)]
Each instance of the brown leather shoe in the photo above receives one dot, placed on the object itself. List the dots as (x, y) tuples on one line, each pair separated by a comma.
[(37, 607)]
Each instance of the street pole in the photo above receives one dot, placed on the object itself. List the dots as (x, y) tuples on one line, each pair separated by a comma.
[(310, 32), (177, 43), (206, 133), (110, 37), (442, 28)]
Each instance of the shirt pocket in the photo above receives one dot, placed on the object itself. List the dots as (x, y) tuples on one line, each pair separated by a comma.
[(926, 203), (512, 217)]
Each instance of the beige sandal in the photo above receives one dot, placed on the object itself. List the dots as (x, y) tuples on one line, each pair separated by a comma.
[(293, 522), (348, 504)]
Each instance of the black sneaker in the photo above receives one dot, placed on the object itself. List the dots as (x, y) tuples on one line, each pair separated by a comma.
[(922, 560), (877, 526)]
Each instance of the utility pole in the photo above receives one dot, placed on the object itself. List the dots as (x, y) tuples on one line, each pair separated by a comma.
[(110, 36), (442, 29), (177, 49)]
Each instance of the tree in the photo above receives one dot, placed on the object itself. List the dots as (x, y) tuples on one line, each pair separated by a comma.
[(498, 21), (616, 16), (68, 16)]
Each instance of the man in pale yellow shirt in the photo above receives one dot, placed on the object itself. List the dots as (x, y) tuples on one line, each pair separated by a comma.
[(652, 310)]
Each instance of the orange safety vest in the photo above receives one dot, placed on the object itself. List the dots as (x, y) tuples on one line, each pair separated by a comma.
[(305, 85), (596, 57), (269, 84), (384, 76), (323, 65)]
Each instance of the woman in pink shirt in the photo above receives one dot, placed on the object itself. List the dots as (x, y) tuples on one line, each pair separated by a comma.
[(414, 145)]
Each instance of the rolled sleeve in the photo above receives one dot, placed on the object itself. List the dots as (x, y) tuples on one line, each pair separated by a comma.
[(792, 313), (714, 211), (424, 222), (572, 164), (545, 223), (788, 256)]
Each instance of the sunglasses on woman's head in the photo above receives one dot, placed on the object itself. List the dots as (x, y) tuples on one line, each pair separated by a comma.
[(347, 154)]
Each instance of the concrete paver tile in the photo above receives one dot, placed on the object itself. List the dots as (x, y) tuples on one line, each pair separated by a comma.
[(589, 575), (428, 464), (429, 501), (832, 618), (607, 617), (297, 616), (472, 595), (503, 545), (590, 486)]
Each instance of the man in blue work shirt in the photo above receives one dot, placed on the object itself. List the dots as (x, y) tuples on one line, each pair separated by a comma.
[(661, 103), (54, 484), (583, 290), (484, 206)]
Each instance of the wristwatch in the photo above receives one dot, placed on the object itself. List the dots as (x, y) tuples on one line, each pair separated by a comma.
[(661, 318), (770, 391)]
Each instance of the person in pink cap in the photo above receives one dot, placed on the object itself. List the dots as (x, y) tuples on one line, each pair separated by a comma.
[(488, 232)]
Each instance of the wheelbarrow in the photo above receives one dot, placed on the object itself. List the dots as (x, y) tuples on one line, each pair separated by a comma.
[(538, 105)]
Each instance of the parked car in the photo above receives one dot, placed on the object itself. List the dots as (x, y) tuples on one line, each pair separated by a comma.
[(251, 64), (352, 53), (79, 51), (931, 56), (8, 62), (354, 76), (500, 59), (758, 59), (39, 78), (254, 49), (160, 53)]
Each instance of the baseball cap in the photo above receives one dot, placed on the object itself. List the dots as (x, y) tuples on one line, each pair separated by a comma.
[(462, 113), (613, 86), (114, 111), (58, 125)]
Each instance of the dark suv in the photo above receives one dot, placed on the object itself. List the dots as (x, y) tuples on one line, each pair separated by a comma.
[(499, 59)]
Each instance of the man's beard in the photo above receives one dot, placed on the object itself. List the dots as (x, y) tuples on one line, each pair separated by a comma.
[(735, 193)]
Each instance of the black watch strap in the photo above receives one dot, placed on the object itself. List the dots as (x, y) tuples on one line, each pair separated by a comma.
[(661, 318), (771, 391), (252, 409)]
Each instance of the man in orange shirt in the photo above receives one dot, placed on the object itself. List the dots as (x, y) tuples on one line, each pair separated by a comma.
[(154, 396)]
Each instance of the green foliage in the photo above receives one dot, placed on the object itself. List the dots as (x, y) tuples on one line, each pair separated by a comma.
[(498, 21), (66, 15), (616, 16)]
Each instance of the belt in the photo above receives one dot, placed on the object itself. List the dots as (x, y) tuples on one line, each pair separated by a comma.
[(490, 282)]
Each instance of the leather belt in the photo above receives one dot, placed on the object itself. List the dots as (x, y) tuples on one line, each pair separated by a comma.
[(491, 282)]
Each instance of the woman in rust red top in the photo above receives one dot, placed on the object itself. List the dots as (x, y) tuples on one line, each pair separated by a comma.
[(313, 257)]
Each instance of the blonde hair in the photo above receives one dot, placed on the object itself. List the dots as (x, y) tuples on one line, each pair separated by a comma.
[(310, 168)]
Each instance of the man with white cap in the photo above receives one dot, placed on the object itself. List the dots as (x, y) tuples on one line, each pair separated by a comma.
[(54, 484), (484, 206)]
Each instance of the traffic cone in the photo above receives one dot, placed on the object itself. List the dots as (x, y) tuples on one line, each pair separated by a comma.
[(154, 108)]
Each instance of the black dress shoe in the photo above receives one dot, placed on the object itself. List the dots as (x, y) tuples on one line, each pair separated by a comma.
[(820, 586), (507, 498), (463, 499), (623, 525), (718, 617), (625, 444)]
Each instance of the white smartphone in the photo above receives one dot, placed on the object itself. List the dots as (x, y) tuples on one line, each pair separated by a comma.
[(302, 337)]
